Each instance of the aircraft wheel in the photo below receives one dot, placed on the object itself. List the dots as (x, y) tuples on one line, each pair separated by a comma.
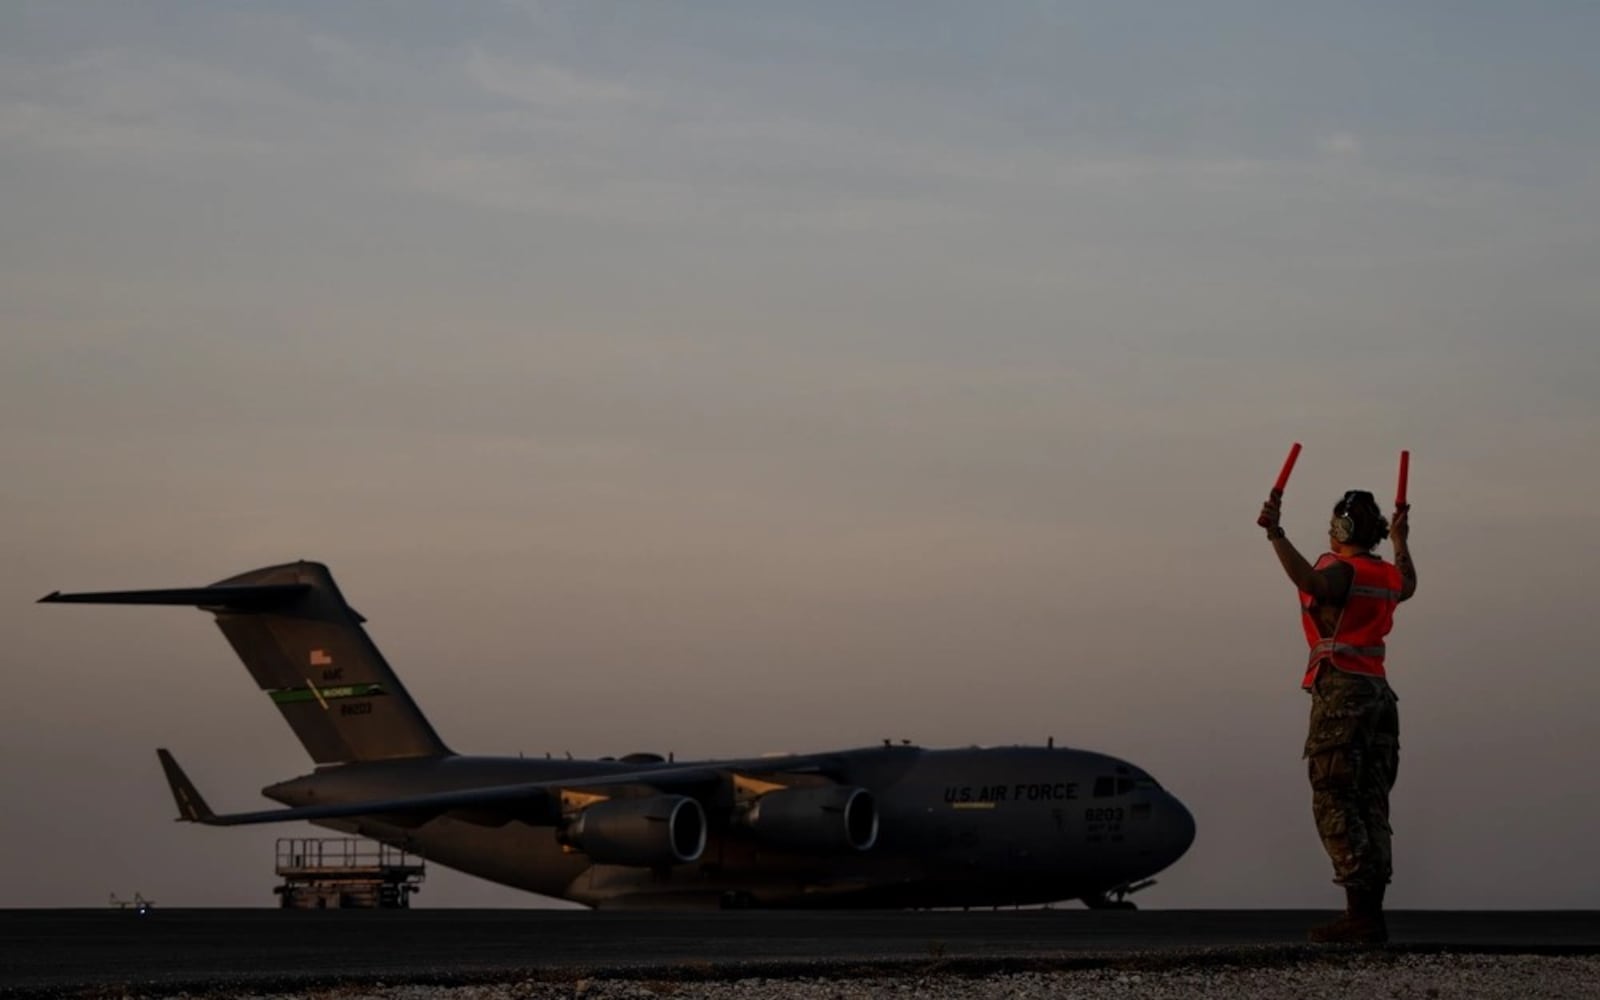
[(1103, 902)]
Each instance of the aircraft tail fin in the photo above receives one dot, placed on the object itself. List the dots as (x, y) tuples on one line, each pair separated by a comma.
[(306, 649)]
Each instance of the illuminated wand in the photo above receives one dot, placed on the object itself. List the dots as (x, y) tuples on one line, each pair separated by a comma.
[(1405, 474), (1283, 480)]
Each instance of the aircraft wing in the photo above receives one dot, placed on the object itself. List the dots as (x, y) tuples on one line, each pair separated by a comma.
[(538, 802)]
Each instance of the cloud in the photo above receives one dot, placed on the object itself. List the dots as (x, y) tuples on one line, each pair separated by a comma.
[(527, 183), (1339, 144), (123, 103), (547, 86)]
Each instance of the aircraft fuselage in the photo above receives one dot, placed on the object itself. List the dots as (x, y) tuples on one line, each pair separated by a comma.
[(958, 827)]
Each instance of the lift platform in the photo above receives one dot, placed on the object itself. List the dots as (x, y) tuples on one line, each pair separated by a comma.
[(342, 873)]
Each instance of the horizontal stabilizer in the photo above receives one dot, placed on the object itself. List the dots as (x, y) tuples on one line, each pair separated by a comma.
[(244, 598)]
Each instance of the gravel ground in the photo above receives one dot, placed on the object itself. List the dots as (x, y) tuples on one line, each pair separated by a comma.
[(1371, 975)]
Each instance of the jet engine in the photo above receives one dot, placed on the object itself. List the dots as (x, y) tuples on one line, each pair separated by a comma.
[(823, 819), (663, 830)]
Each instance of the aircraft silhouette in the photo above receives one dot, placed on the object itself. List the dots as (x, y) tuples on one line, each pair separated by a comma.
[(879, 826)]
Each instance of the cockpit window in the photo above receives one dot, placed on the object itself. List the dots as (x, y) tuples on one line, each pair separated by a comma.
[(1106, 787)]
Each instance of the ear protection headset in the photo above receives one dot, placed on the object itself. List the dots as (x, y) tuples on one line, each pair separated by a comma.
[(1343, 526)]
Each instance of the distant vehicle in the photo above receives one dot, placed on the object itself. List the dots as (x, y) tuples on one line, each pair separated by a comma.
[(879, 826), (138, 903)]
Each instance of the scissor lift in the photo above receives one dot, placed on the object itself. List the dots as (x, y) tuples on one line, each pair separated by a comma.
[(342, 873)]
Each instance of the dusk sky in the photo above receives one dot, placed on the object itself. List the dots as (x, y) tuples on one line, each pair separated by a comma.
[(726, 378)]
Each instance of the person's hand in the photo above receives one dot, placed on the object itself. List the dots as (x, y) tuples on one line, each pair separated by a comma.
[(1270, 512), (1400, 525)]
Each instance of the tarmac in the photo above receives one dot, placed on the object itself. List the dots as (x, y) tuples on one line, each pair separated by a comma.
[(122, 952)]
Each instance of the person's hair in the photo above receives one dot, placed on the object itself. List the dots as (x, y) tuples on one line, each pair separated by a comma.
[(1368, 526)]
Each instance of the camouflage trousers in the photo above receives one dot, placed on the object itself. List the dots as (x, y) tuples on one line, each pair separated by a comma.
[(1353, 755)]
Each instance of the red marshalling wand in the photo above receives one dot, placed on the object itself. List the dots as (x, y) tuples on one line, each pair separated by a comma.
[(1283, 479), (1405, 474)]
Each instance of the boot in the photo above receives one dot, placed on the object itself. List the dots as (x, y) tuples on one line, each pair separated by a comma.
[(1361, 923)]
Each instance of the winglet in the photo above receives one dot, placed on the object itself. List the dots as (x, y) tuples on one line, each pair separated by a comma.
[(191, 807)]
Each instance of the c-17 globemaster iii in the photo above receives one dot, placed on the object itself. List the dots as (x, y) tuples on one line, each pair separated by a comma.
[(880, 826)]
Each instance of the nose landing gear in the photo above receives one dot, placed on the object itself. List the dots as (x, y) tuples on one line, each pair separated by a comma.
[(1117, 898)]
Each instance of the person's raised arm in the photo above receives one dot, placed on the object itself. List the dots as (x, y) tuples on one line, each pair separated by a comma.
[(1400, 535), (1300, 572)]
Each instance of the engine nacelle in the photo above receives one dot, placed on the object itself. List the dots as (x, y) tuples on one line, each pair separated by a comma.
[(663, 830), (819, 820)]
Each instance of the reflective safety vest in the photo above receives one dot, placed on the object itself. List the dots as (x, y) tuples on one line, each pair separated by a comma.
[(1356, 645)]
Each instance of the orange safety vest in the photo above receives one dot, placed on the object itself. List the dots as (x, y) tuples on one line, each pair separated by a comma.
[(1356, 645)]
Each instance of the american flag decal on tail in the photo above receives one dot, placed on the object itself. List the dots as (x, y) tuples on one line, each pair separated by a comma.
[(320, 658)]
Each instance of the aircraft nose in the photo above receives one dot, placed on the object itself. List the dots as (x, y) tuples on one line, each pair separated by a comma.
[(1177, 829)]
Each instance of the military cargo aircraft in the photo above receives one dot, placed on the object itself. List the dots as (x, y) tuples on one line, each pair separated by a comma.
[(880, 826)]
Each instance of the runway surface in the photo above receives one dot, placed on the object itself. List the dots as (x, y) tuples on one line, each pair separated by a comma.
[(64, 952)]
